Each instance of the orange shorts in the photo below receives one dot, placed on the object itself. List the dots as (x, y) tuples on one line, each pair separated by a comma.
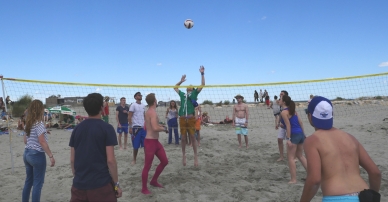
[(198, 124), (187, 125)]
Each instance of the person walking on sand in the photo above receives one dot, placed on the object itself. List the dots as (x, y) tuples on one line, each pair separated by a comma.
[(105, 112), (256, 96), (152, 146), (187, 114), (172, 122), (122, 122), (34, 153), (266, 97), (261, 95), (282, 129), (295, 135), (240, 120), (136, 122), (92, 156), (334, 158)]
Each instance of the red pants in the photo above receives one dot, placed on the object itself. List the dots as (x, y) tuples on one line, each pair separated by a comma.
[(152, 147)]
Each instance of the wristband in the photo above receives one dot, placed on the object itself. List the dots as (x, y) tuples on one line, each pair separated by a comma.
[(246, 121), (51, 156), (288, 138), (202, 73)]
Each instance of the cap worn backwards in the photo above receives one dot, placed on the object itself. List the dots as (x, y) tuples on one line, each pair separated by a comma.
[(321, 111), (137, 93)]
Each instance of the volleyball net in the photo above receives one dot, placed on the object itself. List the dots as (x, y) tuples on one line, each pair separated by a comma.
[(353, 93)]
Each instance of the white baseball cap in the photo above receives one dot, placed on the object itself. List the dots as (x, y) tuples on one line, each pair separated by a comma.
[(321, 111)]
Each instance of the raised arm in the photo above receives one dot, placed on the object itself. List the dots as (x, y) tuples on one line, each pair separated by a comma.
[(202, 70), (183, 79)]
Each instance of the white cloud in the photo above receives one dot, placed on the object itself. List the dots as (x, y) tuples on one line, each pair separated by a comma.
[(264, 17), (383, 64), (159, 64)]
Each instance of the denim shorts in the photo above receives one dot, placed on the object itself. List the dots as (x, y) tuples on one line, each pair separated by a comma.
[(297, 138)]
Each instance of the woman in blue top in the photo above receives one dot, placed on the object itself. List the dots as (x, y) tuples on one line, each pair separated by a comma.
[(295, 135), (34, 153)]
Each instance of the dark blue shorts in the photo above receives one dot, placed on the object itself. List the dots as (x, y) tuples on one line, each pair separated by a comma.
[(124, 128), (138, 136), (297, 138)]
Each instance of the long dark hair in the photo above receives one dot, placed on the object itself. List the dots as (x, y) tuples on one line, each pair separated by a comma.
[(290, 104), (172, 101)]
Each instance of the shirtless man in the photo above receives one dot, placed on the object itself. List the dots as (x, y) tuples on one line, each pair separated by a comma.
[(240, 119), (333, 159), (152, 146)]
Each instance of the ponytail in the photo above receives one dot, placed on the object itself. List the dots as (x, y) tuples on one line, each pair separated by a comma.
[(290, 104), (291, 108)]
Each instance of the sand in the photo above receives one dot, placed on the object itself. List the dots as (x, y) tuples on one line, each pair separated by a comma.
[(226, 173)]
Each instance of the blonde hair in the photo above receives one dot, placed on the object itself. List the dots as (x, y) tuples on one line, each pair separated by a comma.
[(34, 115)]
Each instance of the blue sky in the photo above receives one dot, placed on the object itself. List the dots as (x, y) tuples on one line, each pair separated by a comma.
[(145, 42)]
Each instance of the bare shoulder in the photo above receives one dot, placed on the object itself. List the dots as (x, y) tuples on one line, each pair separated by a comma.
[(150, 112)]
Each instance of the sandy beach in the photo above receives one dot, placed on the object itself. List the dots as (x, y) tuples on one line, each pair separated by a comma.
[(226, 173)]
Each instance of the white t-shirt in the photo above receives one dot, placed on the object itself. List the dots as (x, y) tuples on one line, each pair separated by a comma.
[(138, 114)]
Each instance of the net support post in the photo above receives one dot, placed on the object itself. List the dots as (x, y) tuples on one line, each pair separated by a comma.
[(8, 119)]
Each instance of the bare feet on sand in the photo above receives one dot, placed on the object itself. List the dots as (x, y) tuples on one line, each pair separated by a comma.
[(292, 182), (121, 148), (196, 161), (133, 162), (280, 159), (184, 160)]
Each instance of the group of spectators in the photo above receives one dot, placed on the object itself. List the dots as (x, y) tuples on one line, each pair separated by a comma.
[(332, 157)]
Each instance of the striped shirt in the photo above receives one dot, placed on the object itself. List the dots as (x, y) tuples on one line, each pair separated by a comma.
[(33, 141)]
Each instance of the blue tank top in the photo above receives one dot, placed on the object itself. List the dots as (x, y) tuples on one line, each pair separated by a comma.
[(294, 123)]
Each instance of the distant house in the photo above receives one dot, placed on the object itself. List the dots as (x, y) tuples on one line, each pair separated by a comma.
[(53, 101)]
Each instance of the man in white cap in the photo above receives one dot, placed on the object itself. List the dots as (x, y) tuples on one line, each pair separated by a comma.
[(333, 160), (240, 119)]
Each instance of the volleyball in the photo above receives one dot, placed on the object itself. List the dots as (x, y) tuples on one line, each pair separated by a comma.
[(189, 23)]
